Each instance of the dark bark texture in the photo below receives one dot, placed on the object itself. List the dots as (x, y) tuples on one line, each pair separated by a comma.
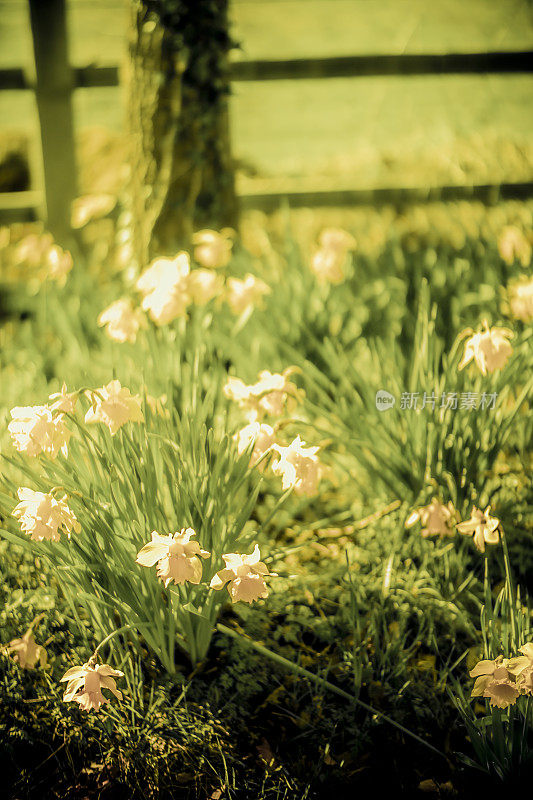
[(182, 175)]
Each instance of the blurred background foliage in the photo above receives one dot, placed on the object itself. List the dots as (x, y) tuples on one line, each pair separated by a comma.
[(315, 134)]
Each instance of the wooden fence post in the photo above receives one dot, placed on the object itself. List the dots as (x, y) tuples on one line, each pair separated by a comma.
[(53, 91)]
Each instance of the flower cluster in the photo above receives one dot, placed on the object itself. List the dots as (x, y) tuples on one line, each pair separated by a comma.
[(42, 516), (39, 254), (38, 429), (122, 321), (164, 286), (503, 680), (178, 562), (272, 394), (329, 260), (168, 287), (439, 519)]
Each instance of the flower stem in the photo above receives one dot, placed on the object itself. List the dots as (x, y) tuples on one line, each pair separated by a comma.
[(110, 636)]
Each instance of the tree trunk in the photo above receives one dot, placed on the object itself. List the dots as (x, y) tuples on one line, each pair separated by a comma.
[(181, 166)]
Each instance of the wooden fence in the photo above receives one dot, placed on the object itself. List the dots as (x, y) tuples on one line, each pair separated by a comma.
[(55, 81)]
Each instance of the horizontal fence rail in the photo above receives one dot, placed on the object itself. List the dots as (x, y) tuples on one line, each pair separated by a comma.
[(511, 62), (484, 193), (396, 65), (22, 206), (17, 79)]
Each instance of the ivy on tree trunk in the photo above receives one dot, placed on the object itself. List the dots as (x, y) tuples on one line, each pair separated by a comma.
[(182, 175)]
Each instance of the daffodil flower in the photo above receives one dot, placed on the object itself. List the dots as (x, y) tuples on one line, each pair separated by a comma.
[(489, 348), (244, 575), (114, 406), (483, 527), (176, 557), (85, 685)]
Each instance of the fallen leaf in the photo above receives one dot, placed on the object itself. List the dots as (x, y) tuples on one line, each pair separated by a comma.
[(428, 785), (265, 751)]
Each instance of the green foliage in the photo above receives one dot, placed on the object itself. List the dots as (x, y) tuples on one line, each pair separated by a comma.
[(407, 449), (502, 739), (362, 610), (167, 475)]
